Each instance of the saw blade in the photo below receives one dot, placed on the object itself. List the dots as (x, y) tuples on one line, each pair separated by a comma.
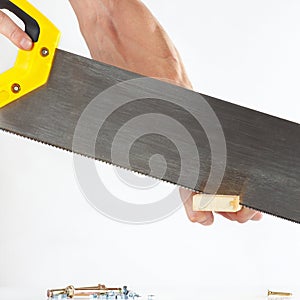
[(163, 131)]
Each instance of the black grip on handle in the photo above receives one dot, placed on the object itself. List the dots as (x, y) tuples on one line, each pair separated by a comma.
[(32, 28)]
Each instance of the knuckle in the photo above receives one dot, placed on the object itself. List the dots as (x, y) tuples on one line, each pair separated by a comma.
[(9, 28), (195, 218), (242, 220), (208, 223), (13, 35), (245, 215), (3, 18)]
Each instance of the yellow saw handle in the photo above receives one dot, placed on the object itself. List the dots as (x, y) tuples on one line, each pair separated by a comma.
[(32, 68)]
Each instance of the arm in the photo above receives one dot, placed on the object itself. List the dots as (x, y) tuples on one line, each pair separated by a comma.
[(124, 33)]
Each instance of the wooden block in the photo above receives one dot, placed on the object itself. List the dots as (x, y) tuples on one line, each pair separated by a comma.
[(218, 203)]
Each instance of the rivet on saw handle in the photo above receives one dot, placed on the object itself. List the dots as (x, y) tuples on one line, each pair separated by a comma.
[(32, 68)]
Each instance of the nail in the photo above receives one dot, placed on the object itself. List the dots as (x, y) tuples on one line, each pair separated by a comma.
[(26, 44)]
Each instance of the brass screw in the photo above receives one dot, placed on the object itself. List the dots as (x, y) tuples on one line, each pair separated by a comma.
[(270, 293), (98, 287), (70, 291), (15, 88), (45, 52)]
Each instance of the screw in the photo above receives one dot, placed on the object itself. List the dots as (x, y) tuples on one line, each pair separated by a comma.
[(70, 291), (98, 287), (45, 52), (15, 88), (270, 293)]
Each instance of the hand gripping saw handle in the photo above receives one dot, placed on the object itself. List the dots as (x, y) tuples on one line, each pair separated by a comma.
[(32, 68)]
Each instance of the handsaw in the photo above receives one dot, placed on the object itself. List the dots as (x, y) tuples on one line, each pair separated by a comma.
[(148, 126)]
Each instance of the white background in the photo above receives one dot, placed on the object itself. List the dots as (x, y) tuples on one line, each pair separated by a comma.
[(246, 52)]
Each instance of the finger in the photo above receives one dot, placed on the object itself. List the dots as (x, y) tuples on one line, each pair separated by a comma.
[(204, 218), (245, 214), (14, 33), (242, 216), (257, 217)]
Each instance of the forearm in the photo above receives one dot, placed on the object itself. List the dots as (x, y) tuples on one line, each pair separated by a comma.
[(124, 33)]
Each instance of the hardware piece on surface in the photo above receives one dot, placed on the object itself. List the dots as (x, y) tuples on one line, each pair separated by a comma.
[(279, 294), (97, 292)]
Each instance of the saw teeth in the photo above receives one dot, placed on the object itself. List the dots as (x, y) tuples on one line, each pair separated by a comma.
[(96, 159), (136, 172), (271, 214)]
